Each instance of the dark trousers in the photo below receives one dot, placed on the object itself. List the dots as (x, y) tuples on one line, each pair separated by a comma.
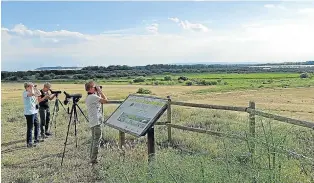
[(31, 120), (44, 120)]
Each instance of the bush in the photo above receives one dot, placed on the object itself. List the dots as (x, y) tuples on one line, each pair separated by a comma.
[(12, 78), (46, 77), (139, 79), (213, 82), (206, 83), (143, 91), (184, 78), (305, 75), (167, 78), (26, 78), (189, 83)]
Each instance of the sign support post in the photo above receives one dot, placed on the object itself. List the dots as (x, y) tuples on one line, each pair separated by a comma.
[(151, 144)]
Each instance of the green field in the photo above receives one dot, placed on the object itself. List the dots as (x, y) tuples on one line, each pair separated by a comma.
[(284, 152), (224, 82), (236, 76)]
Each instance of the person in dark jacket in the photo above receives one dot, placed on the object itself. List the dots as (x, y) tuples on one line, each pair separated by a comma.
[(44, 111)]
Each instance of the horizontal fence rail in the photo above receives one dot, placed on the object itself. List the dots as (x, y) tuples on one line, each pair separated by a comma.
[(114, 102), (283, 119), (297, 122), (220, 134), (231, 108)]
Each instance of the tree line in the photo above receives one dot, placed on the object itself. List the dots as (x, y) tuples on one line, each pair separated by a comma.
[(118, 71)]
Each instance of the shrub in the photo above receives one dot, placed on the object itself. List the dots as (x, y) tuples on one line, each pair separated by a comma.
[(189, 83), (206, 83), (139, 79), (184, 78), (305, 75), (46, 77), (167, 78), (26, 78), (213, 82), (143, 91)]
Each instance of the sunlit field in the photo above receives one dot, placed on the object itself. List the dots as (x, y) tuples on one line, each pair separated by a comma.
[(284, 152)]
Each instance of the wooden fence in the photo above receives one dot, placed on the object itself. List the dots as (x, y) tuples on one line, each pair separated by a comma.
[(250, 109)]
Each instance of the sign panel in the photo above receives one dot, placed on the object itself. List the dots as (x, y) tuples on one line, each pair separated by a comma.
[(137, 114)]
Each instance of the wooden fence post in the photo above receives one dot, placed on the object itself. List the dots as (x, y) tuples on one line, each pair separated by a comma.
[(169, 118), (151, 144), (121, 139), (252, 125)]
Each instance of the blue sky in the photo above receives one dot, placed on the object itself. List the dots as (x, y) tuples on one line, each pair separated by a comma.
[(37, 34)]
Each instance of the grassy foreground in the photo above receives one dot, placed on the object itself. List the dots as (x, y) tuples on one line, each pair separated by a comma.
[(191, 157)]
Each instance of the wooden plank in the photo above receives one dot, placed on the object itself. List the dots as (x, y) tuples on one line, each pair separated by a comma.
[(121, 139), (151, 144), (220, 134), (306, 124), (231, 108), (114, 102), (161, 123)]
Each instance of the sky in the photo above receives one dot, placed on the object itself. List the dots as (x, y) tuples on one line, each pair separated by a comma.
[(46, 34)]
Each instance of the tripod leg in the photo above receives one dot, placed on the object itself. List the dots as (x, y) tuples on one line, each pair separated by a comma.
[(82, 112), (75, 122), (53, 114), (56, 124), (62, 105), (66, 139)]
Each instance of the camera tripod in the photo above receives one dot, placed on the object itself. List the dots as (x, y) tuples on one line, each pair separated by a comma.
[(75, 120), (55, 112)]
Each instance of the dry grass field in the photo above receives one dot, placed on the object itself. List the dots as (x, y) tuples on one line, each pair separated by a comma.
[(192, 157)]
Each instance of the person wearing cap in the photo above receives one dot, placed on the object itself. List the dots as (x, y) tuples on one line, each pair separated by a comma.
[(30, 112), (44, 110)]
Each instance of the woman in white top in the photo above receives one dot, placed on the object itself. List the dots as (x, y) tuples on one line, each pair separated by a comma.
[(30, 111)]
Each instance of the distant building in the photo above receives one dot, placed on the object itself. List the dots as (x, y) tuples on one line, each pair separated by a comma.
[(57, 68)]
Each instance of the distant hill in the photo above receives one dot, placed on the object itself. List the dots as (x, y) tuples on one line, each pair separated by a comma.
[(57, 68), (217, 63), (245, 63)]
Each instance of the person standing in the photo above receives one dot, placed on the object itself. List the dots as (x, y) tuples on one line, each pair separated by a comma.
[(44, 110), (94, 99), (30, 112)]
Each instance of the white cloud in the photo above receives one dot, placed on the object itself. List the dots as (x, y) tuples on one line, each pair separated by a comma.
[(153, 28), (260, 41), (273, 6), (307, 11), (197, 27), (22, 30), (194, 27), (269, 6), (175, 19)]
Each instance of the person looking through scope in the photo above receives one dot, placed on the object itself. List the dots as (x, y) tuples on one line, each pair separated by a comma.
[(94, 99), (44, 110)]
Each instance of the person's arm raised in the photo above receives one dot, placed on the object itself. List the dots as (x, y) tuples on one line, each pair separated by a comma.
[(103, 99)]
